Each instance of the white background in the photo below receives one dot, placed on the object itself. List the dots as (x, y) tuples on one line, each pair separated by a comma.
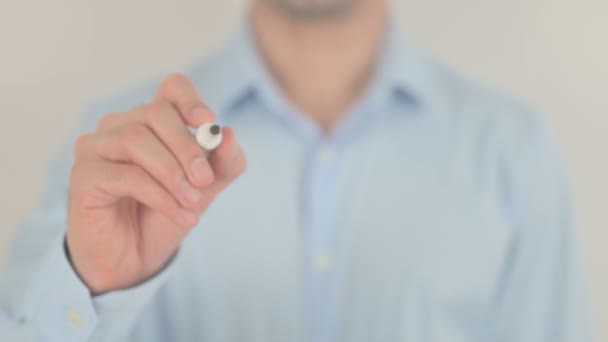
[(57, 56)]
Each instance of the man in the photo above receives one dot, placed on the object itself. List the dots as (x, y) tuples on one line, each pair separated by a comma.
[(386, 199)]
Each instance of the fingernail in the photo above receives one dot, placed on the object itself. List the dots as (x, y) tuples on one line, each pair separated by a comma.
[(186, 217), (200, 169), (190, 194)]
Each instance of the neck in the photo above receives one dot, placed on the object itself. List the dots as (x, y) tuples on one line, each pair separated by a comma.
[(321, 66)]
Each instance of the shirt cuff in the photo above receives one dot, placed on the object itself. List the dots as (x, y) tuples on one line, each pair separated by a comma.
[(118, 310), (64, 309)]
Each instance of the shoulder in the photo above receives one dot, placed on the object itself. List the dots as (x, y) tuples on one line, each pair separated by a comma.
[(477, 108), (487, 124), (503, 143), (497, 133)]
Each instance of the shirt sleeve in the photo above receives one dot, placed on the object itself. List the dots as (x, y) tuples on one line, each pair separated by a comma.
[(57, 306), (543, 291)]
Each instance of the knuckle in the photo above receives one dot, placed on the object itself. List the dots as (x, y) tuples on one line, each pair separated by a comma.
[(134, 135), (82, 144), (83, 177), (126, 177), (149, 112), (78, 168), (164, 107), (106, 121), (174, 82), (241, 165), (153, 111), (171, 176), (166, 201)]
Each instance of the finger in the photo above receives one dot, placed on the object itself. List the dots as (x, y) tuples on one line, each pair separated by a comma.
[(170, 128), (228, 162), (179, 91), (139, 145), (128, 180), (168, 125), (111, 120)]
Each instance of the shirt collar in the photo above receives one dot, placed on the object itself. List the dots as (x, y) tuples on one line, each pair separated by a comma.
[(236, 74), (402, 72)]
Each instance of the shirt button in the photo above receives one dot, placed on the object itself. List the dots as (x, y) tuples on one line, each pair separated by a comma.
[(74, 318), (326, 154), (323, 262)]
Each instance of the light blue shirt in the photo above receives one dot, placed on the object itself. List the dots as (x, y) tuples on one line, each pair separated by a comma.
[(438, 211)]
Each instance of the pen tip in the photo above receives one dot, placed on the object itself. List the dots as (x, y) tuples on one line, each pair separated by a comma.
[(214, 130)]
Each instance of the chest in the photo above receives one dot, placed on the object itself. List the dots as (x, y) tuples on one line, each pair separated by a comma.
[(420, 244)]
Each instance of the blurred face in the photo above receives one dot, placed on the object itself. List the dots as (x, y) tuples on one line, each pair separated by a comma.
[(314, 9)]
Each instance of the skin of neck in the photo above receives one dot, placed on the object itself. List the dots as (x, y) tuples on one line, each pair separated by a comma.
[(323, 65)]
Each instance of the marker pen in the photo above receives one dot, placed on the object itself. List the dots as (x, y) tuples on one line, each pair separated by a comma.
[(209, 136)]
